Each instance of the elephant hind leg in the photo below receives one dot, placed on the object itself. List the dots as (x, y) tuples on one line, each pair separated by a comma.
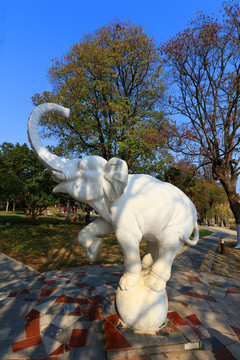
[(150, 257), (168, 247), (129, 243), (87, 237)]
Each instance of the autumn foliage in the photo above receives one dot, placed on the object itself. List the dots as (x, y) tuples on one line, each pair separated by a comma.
[(203, 63)]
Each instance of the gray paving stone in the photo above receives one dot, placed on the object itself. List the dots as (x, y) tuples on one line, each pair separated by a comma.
[(3, 295), (67, 356), (177, 338), (172, 292), (235, 298), (218, 292), (156, 357), (5, 350), (233, 283), (4, 332), (36, 352), (205, 332), (139, 340), (95, 336), (110, 292), (186, 355), (200, 288), (199, 304), (211, 343), (90, 353), (189, 333), (224, 307), (56, 309), (203, 355), (34, 294), (15, 310), (233, 319), (234, 350), (214, 320), (108, 307), (183, 298), (17, 333), (225, 339), (53, 332), (71, 290), (83, 293)]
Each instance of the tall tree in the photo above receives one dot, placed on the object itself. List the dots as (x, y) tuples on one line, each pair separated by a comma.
[(24, 180), (204, 65), (111, 81)]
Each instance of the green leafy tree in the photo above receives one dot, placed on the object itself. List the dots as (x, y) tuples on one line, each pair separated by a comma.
[(9, 187), (203, 62), (24, 180), (111, 81)]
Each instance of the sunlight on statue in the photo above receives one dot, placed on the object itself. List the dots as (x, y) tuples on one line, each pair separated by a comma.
[(134, 207)]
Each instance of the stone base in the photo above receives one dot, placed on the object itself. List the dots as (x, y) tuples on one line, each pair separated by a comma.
[(141, 308)]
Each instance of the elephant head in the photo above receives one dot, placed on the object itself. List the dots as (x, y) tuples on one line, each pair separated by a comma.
[(88, 179)]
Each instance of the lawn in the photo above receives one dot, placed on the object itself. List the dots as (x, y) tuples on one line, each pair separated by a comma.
[(52, 243)]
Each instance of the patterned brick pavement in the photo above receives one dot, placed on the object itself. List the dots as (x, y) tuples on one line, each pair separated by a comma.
[(70, 315)]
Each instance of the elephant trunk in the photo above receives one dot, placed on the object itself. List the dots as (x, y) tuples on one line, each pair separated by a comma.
[(51, 161)]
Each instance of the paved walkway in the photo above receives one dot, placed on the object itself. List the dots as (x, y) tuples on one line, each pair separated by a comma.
[(70, 314)]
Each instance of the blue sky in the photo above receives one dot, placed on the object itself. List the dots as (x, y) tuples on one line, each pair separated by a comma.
[(33, 32)]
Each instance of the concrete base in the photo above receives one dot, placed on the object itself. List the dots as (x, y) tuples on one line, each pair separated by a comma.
[(141, 308)]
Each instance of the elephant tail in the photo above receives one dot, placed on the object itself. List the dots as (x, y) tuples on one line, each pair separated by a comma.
[(195, 239)]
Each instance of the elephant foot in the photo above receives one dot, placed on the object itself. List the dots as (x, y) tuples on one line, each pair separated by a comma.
[(128, 282), (154, 283), (93, 249)]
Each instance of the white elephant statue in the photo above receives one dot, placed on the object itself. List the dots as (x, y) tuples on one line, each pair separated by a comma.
[(133, 206)]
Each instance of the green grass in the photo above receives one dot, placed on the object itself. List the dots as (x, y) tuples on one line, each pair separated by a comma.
[(204, 232), (52, 243)]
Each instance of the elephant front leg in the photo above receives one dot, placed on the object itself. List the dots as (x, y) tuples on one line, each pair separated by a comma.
[(132, 262), (87, 237), (168, 247)]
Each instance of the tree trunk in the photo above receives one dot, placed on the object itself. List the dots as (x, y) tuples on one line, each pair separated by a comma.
[(14, 206), (234, 202), (68, 209), (7, 206)]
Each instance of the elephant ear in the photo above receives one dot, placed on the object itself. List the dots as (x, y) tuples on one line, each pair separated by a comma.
[(115, 178)]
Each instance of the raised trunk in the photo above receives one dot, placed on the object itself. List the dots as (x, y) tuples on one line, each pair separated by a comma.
[(51, 161), (61, 168)]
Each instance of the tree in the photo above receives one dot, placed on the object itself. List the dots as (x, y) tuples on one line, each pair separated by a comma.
[(111, 81), (8, 186), (184, 175), (203, 62), (24, 180), (207, 194)]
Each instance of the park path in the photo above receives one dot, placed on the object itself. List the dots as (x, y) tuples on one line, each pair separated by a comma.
[(193, 257)]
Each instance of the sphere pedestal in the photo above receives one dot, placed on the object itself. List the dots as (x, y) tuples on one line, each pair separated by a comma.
[(141, 308)]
